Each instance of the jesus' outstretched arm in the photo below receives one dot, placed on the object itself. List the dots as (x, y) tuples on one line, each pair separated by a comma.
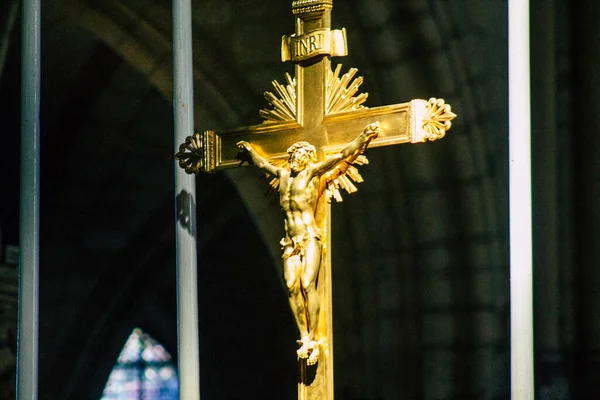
[(358, 145), (259, 161)]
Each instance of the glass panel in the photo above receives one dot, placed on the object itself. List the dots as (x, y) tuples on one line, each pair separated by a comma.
[(144, 370)]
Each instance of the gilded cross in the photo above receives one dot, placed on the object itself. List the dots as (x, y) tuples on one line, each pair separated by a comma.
[(322, 107)]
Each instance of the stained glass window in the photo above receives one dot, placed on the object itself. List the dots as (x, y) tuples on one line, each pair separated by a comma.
[(144, 371)]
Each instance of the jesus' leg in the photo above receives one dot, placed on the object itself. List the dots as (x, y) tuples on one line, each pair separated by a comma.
[(312, 263), (291, 271)]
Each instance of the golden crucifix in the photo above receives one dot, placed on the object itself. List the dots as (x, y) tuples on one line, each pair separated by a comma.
[(322, 107)]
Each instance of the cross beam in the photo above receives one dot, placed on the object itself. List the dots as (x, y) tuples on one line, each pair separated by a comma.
[(412, 122), (322, 107)]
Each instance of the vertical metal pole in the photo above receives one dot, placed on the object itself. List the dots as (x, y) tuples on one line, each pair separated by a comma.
[(185, 192), (27, 344), (521, 311)]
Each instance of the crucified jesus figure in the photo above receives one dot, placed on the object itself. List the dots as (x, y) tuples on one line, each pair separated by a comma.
[(298, 195)]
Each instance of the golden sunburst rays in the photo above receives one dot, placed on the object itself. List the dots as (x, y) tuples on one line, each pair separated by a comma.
[(340, 96), (438, 119), (341, 90), (343, 177), (283, 101)]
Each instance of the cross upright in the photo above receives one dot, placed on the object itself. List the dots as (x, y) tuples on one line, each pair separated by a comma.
[(322, 107)]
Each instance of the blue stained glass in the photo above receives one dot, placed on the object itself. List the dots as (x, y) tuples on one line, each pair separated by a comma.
[(144, 371)]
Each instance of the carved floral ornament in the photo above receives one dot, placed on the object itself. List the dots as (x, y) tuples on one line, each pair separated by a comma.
[(431, 119), (191, 154)]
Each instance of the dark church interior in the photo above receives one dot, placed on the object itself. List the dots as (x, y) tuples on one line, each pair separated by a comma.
[(420, 254)]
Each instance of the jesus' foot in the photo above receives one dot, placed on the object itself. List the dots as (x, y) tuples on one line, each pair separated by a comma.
[(314, 355), (308, 350), (304, 347)]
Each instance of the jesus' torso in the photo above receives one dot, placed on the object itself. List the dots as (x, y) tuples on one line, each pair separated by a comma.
[(298, 198)]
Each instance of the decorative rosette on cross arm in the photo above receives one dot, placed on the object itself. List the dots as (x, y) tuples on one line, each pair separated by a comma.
[(196, 154), (430, 119)]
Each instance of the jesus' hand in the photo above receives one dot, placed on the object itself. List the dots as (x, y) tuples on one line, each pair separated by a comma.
[(372, 131), (244, 152)]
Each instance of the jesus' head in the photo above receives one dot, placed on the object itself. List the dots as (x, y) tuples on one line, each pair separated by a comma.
[(300, 155)]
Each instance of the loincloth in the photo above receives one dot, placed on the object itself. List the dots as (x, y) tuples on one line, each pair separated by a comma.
[(296, 246)]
